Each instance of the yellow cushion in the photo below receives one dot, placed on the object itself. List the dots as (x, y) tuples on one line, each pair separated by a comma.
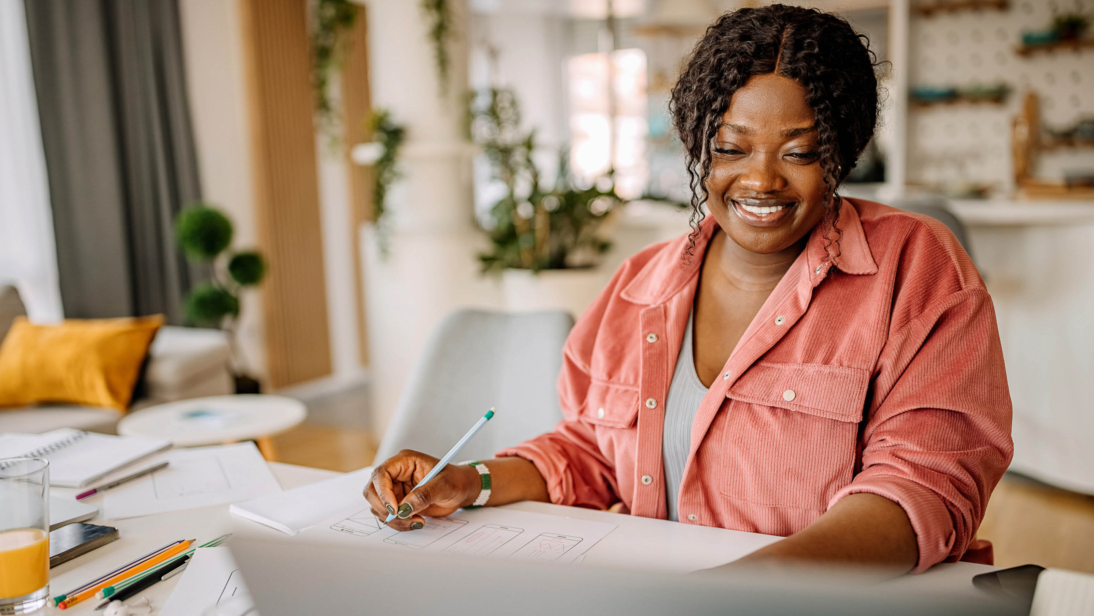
[(91, 363)]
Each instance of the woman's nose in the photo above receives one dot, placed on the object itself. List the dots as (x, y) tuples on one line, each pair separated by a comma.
[(762, 174)]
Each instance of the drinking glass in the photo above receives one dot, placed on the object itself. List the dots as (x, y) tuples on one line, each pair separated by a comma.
[(24, 535)]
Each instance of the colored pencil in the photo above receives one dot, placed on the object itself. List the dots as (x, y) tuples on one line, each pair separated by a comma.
[(120, 481), (90, 592), (59, 598), (109, 591), (148, 581)]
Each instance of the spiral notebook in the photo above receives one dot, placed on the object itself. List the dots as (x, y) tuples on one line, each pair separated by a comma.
[(77, 458)]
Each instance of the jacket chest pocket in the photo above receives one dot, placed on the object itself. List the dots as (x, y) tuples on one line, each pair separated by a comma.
[(791, 432), (613, 409)]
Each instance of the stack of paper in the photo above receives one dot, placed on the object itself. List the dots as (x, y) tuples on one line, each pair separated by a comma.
[(295, 510)]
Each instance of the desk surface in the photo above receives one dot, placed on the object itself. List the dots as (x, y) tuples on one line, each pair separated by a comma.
[(637, 543)]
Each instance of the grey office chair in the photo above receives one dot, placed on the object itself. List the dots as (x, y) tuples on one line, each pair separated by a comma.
[(476, 360), (937, 207)]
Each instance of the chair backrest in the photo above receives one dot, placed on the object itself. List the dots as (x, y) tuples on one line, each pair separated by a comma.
[(937, 207), (475, 360), (11, 306)]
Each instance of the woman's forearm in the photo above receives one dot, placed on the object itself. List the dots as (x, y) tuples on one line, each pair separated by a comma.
[(511, 480), (861, 530)]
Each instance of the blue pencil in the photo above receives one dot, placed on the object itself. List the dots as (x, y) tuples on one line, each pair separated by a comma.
[(448, 456)]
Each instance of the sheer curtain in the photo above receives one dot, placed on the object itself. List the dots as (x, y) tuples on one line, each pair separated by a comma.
[(28, 256)]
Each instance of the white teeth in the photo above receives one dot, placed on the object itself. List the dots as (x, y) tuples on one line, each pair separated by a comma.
[(761, 211)]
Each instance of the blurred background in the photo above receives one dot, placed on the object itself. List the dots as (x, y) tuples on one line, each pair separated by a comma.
[(306, 188)]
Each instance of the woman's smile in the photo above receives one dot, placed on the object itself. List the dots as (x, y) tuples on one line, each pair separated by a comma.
[(761, 212)]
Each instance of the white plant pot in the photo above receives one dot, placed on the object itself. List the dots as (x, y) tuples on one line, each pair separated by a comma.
[(570, 290)]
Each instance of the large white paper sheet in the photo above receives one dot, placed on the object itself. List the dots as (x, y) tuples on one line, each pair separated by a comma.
[(210, 585), (294, 510), (196, 477), (488, 532)]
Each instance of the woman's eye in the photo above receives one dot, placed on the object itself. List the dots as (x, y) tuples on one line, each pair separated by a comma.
[(804, 155), (727, 151)]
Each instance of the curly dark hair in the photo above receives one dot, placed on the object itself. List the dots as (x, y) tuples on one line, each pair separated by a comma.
[(819, 50)]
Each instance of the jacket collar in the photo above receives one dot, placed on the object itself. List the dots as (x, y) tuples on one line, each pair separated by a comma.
[(672, 269)]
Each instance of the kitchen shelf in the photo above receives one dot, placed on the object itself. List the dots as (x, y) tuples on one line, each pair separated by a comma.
[(1058, 46), (927, 9), (1011, 213)]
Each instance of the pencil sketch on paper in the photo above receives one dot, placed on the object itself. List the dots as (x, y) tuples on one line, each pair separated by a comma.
[(485, 540), (190, 476), (546, 547), (435, 530), (233, 588), (362, 523)]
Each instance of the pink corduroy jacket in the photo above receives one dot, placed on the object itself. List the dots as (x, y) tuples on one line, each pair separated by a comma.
[(878, 370)]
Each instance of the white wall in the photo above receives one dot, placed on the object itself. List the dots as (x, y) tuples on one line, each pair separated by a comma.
[(216, 77), (212, 39)]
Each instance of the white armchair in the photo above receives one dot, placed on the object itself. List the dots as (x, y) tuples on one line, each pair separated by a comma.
[(183, 363)]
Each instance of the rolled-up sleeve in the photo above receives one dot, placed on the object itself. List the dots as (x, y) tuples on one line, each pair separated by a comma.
[(576, 471), (938, 436)]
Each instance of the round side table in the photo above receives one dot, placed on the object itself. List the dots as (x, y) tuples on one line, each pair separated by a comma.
[(217, 420)]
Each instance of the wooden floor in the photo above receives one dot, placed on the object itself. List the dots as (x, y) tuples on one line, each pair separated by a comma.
[(1026, 521)]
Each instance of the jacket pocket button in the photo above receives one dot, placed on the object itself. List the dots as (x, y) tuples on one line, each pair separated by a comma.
[(789, 395), (600, 413)]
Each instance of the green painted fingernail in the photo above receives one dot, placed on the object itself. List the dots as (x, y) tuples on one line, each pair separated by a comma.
[(390, 509), (404, 510), (417, 525)]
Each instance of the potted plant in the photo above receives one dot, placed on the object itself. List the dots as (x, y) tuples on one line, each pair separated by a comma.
[(1070, 26), (546, 241), (204, 234)]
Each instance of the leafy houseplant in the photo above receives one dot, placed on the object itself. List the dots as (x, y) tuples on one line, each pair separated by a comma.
[(204, 234), (440, 34), (383, 155), (535, 227), (332, 20)]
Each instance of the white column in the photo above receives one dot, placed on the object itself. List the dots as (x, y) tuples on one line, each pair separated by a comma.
[(431, 267)]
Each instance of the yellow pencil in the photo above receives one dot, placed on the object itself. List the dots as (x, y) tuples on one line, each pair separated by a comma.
[(144, 566)]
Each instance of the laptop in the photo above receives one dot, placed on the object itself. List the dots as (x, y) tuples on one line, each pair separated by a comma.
[(289, 578)]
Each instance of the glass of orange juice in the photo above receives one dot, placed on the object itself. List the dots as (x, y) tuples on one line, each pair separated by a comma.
[(24, 535)]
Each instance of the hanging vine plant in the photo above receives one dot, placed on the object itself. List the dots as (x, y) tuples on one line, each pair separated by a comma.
[(440, 34), (332, 21), (383, 155)]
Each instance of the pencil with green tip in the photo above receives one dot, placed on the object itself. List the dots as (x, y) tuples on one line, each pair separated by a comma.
[(451, 454)]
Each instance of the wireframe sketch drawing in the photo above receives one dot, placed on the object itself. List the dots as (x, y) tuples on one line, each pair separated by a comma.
[(546, 547), (485, 540)]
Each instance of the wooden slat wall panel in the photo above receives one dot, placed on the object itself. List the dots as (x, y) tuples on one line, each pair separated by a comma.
[(357, 107), (286, 189)]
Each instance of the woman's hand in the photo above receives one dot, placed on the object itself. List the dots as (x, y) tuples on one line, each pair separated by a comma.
[(389, 491)]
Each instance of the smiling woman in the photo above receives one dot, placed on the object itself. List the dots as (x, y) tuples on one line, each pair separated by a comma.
[(823, 369)]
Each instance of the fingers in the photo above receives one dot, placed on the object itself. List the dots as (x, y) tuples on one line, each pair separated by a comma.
[(384, 488)]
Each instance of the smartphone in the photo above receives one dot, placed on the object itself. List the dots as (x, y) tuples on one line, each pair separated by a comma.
[(78, 539)]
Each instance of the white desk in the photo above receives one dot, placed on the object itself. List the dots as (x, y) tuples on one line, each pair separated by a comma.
[(637, 543)]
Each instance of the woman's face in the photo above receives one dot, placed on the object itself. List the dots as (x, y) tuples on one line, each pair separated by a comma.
[(766, 185)]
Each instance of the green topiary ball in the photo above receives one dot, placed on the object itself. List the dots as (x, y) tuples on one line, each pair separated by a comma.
[(203, 232), (247, 268), (208, 304)]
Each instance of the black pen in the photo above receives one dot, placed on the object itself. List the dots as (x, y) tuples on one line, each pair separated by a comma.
[(130, 591)]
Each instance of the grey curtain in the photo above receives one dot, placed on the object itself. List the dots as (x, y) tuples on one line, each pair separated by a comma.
[(119, 151)]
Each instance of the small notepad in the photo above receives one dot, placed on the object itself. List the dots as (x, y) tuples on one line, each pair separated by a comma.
[(77, 458)]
